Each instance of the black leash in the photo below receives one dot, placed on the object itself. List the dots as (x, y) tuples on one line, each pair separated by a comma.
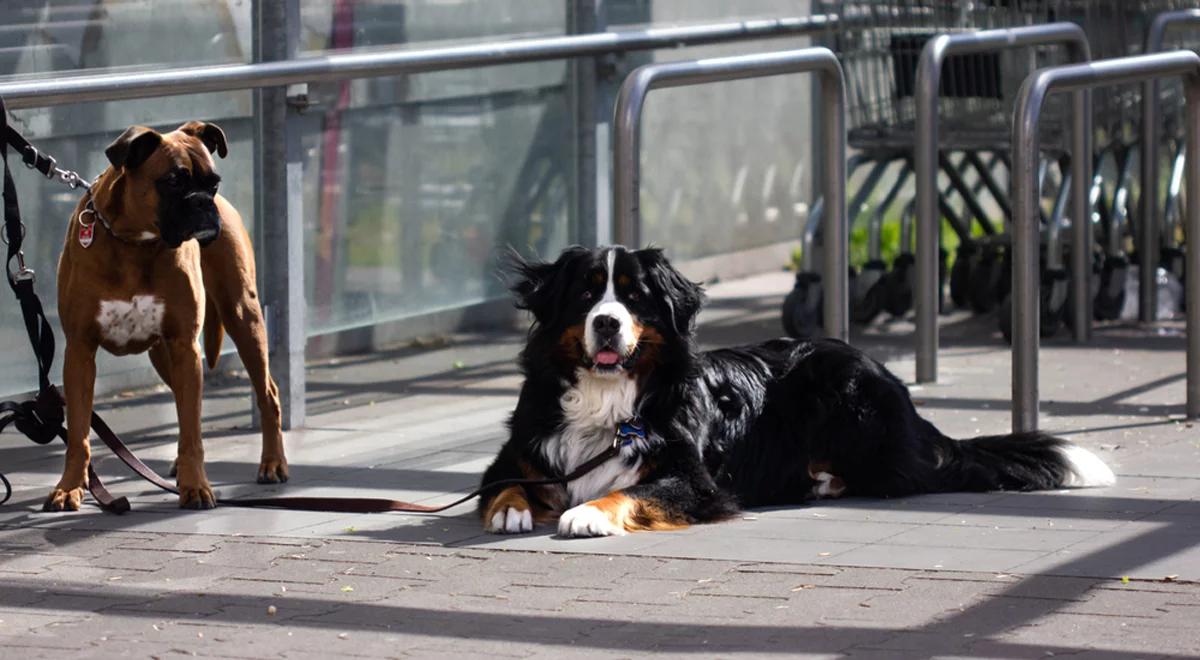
[(41, 418)]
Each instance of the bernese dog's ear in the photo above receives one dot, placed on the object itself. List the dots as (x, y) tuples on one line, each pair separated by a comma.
[(682, 296), (539, 285)]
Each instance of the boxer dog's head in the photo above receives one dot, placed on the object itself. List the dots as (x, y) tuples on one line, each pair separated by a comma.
[(164, 185)]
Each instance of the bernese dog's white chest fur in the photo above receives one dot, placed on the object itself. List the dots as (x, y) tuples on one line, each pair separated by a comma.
[(591, 409)]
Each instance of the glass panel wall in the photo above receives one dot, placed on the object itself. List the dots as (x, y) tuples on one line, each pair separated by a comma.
[(413, 185), (724, 165)]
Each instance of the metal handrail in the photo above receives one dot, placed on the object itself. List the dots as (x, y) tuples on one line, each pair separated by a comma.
[(927, 147), (1030, 99), (1147, 274), (822, 61), (390, 62)]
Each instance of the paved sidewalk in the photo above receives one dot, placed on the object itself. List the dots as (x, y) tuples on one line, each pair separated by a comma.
[(1114, 572)]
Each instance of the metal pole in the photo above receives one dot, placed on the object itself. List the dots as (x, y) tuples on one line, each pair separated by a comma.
[(1148, 251), (390, 62), (1081, 220), (928, 85), (1030, 99), (822, 61), (281, 214), (1192, 96)]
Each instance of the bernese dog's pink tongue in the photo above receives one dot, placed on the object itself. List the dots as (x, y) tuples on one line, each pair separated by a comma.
[(607, 358)]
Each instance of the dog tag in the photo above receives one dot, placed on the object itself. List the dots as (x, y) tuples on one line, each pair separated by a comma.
[(86, 232)]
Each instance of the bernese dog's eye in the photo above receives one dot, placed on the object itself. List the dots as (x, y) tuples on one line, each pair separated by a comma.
[(587, 295), (634, 296)]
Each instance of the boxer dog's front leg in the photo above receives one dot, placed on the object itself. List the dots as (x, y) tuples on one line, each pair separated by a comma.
[(79, 380), (187, 382)]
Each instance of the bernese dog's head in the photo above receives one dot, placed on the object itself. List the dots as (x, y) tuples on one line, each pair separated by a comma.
[(610, 312)]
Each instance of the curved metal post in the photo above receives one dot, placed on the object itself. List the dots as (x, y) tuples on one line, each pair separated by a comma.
[(929, 74), (1030, 99), (1148, 251), (822, 61)]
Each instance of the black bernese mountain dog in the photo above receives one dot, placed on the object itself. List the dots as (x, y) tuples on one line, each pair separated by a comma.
[(611, 356)]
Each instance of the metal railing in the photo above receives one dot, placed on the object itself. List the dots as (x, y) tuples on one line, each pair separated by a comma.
[(822, 61), (1025, 285), (927, 146), (283, 272), (389, 62), (1147, 285)]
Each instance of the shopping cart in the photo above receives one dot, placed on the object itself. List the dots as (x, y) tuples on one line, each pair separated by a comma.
[(880, 44)]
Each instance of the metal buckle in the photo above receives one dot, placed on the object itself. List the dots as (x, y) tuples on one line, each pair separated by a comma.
[(24, 272)]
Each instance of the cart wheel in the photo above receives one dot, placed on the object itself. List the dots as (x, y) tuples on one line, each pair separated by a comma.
[(1173, 260), (985, 286), (898, 285), (1053, 302), (867, 292), (1110, 299), (960, 274), (802, 307)]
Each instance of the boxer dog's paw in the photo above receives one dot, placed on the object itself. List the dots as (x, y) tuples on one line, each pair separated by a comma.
[(64, 500), (509, 521), (197, 497), (273, 471)]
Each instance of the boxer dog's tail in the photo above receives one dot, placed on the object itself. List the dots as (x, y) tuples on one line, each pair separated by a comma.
[(214, 334)]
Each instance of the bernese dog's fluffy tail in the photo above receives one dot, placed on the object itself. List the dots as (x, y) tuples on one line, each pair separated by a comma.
[(1018, 461)]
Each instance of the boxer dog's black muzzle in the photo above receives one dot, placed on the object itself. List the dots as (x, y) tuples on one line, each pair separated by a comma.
[(186, 208)]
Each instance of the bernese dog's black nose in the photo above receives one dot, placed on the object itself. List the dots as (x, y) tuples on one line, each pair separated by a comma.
[(606, 326)]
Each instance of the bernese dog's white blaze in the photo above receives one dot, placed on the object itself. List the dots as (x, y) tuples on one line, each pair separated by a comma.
[(775, 423), (1085, 469), (609, 351)]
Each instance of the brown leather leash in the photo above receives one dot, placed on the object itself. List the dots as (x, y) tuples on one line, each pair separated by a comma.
[(349, 504)]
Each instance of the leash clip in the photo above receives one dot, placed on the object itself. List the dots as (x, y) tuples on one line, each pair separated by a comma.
[(24, 273)]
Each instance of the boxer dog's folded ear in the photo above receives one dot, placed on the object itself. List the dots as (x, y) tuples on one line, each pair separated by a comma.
[(210, 134), (133, 147)]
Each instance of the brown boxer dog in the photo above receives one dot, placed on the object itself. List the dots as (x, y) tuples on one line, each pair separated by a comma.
[(131, 280)]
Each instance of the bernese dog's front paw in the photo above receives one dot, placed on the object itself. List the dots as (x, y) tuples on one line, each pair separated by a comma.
[(510, 521), (587, 520)]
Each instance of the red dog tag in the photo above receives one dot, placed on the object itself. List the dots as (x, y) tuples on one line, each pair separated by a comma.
[(86, 231)]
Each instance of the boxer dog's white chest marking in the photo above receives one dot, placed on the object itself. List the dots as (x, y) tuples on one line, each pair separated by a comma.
[(123, 321)]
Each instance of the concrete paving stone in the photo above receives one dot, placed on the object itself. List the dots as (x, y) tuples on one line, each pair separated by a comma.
[(994, 516), (428, 530), (286, 570), (244, 553), (640, 591), (661, 568), (425, 566), (993, 538), (902, 511), (737, 549), (349, 587), (1085, 499), (932, 558), (1132, 604), (787, 569), (30, 563), (815, 530)]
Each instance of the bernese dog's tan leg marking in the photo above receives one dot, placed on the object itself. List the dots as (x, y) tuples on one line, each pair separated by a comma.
[(614, 515), (828, 484), (509, 513)]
